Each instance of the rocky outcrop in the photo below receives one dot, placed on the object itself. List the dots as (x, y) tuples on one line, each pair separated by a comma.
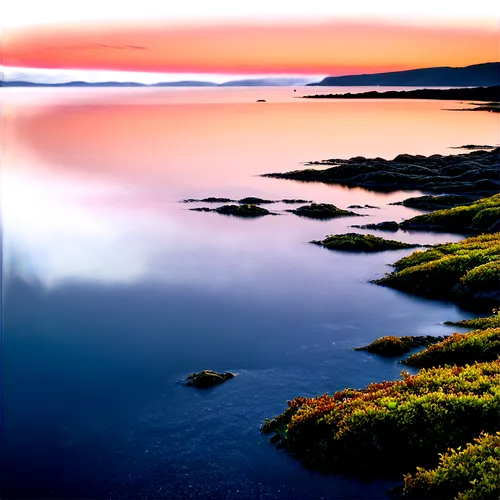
[(477, 172), (208, 378), (354, 242)]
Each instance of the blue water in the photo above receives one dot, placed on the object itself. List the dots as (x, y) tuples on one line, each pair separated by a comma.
[(99, 327)]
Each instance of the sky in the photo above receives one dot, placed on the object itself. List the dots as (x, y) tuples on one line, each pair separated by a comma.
[(261, 37)]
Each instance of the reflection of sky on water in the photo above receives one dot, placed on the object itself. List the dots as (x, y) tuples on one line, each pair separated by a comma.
[(40, 228)]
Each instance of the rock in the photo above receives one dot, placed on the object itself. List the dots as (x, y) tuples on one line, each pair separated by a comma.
[(207, 378), (321, 211), (382, 226), (436, 202), (242, 210), (211, 199), (260, 100), (476, 173), (295, 201), (355, 206), (250, 200), (353, 242), (391, 346), (236, 210)]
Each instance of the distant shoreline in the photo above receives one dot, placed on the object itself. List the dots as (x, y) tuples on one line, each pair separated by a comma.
[(487, 94)]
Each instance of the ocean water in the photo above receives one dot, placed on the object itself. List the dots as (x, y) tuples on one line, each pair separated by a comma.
[(113, 291)]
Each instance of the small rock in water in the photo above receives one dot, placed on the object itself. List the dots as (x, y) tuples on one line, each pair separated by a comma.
[(207, 378)]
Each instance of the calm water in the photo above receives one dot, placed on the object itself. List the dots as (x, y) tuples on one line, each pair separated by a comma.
[(113, 291)]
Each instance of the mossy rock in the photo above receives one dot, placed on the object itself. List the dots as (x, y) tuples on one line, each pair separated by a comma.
[(391, 427), (392, 346), (492, 321), (247, 211), (354, 242), (467, 272), (207, 378), (478, 216), (460, 349), (321, 211)]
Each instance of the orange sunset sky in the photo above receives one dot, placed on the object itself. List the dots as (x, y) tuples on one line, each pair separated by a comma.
[(264, 37)]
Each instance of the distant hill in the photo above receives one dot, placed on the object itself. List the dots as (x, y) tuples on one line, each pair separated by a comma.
[(266, 82), (257, 82), (477, 75)]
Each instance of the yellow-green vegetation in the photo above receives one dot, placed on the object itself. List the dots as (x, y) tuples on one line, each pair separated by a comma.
[(492, 321), (354, 242), (392, 427), (471, 473), (395, 346), (460, 349), (479, 216), (467, 272)]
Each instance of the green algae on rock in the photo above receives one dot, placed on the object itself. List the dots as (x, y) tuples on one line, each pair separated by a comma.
[(474, 172), (354, 242), (467, 272), (236, 210), (467, 473), (321, 211), (391, 346), (482, 215), (460, 349), (392, 426), (207, 378)]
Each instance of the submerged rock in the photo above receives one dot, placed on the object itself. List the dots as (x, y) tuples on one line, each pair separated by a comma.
[(207, 378), (362, 206), (211, 199), (382, 226), (295, 201), (321, 211), (354, 242), (396, 346)]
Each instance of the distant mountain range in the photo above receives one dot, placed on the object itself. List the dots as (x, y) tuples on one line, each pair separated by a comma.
[(258, 82), (477, 75)]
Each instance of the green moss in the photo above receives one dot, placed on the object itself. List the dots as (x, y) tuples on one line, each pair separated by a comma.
[(492, 321), (354, 242), (467, 272), (392, 427), (477, 216), (463, 474), (396, 346), (460, 349)]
